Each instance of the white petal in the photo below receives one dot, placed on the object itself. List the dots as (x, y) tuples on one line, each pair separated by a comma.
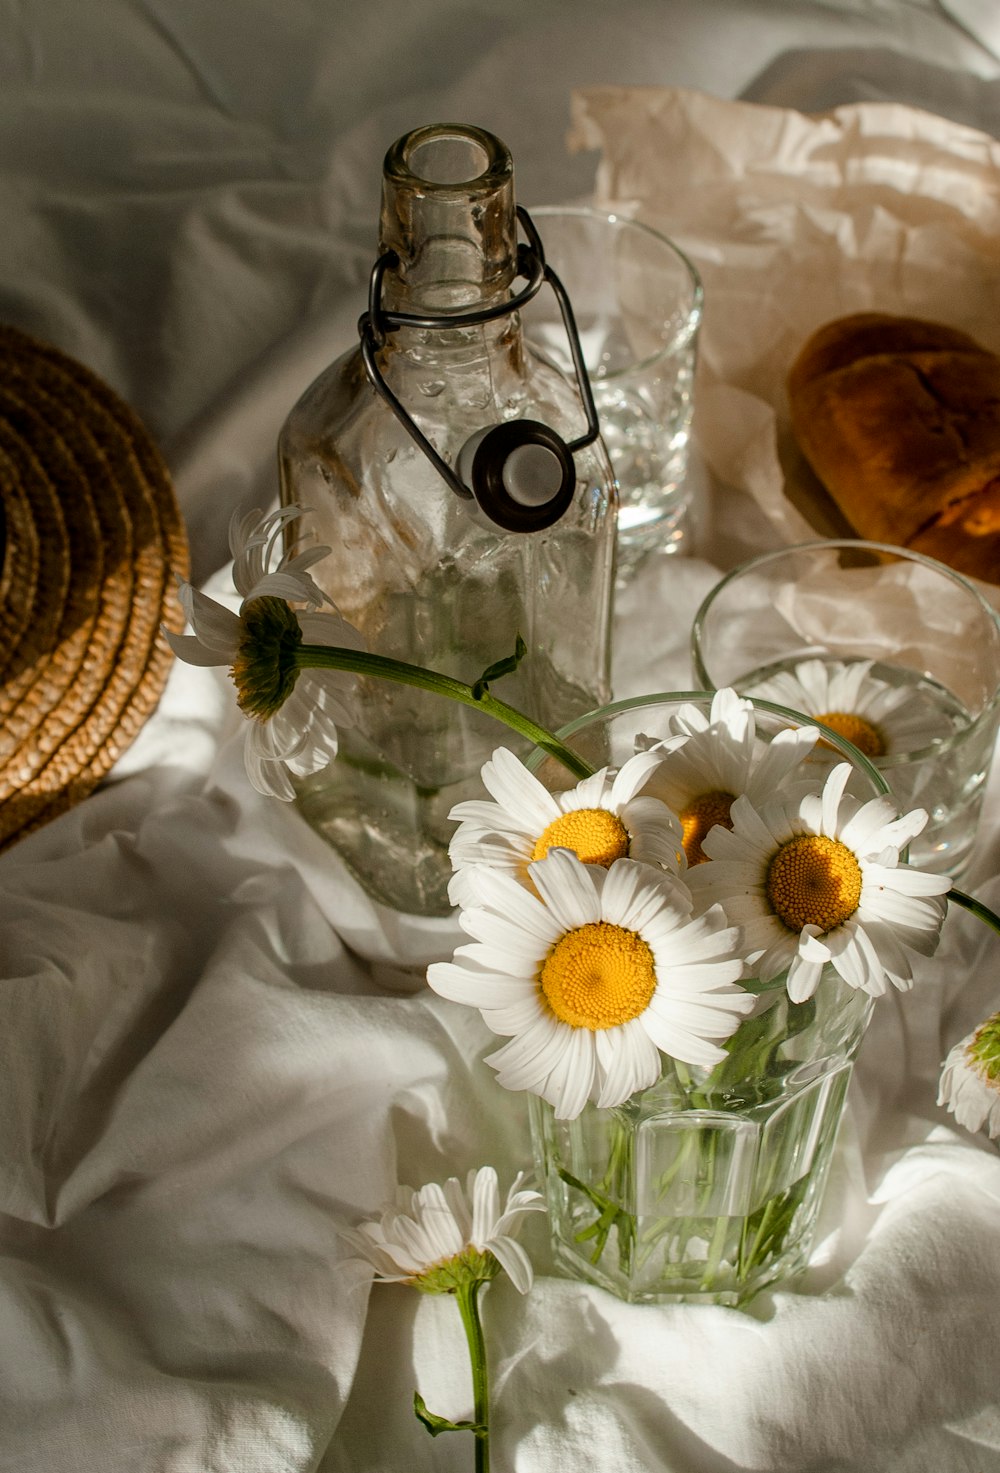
[(569, 1086), (869, 821), (588, 793), (833, 791), (570, 889), (517, 1016), (626, 880), (486, 817), (267, 775), (710, 1015), (628, 1060), (850, 956), (891, 953), (485, 1205), (780, 758), (803, 978), (518, 792), (498, 891), (189, 648), (474, 987), (633, 776), (680, 1044), (216, 626), (528, 1059), (779, 956), (654, 840), (906, 880), (292, 588), (813, 945), (514, 1261), (329, 630), (856, 959)]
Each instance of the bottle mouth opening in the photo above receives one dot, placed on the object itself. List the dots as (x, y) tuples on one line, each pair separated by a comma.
[(448, 160), (445, 157)]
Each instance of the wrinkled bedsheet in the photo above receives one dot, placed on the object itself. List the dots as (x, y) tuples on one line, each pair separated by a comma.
[(210, 1060)]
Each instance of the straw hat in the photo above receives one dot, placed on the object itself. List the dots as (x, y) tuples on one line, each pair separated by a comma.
[(91, 538)]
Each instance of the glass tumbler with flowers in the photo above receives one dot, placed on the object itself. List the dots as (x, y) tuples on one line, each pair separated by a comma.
[(683, 958)]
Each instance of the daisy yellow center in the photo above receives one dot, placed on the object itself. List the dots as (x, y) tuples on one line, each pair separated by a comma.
[(865, 736), (814, 881), (700, 815), (595, 835), (598, 976)]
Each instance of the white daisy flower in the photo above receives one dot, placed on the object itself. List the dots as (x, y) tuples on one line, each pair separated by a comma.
[(439, 1237), (970, 1079), (294, 712), (722, 759), (253, 540), (602, 819), (593, 978), (820, 881), (881, 720)]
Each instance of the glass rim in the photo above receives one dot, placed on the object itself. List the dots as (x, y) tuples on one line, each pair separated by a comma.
[(495, 165), (688, 697), (901, 759), (688, 329)]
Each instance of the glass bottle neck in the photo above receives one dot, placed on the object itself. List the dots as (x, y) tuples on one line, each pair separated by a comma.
[(448, 216), (499, 341)]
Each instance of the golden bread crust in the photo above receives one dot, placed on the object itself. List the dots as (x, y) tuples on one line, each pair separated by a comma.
[(900, 420)]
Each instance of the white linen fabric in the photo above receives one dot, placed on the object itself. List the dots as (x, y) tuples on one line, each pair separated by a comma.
[(212, 1060)]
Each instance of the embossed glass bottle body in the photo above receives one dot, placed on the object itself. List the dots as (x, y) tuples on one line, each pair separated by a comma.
[(420, 571)]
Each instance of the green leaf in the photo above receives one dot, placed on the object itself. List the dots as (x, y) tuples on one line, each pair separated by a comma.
[(611, 1216), (436, 1425), (746, 1051), (800, 1016), (756, 986), (502, 667), (765, 1231), (752, 1051)]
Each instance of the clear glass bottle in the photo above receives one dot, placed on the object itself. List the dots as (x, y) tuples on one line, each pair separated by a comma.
[(421, 571)]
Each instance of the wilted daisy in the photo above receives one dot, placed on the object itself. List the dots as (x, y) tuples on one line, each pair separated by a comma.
[(293, 711), (601, 819), (722, 759), (880, 719), (593, 978), (820, 881), (441, 1236), (970, 1079)]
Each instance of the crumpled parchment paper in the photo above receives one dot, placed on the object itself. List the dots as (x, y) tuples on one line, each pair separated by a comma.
[(793, 220)]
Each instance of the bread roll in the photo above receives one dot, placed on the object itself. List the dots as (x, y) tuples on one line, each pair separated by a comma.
[(900, 420)]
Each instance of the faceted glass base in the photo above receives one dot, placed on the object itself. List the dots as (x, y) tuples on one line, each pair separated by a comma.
[(707, 1186)]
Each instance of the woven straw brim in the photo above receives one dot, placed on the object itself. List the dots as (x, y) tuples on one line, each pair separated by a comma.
[(92, 539)]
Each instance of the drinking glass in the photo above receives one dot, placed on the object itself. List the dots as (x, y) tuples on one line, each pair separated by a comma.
[(637, 300), (892, 649)]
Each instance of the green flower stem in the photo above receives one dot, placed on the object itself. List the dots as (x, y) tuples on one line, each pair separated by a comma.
[(332, 657), (713, 1262), (685, 1079), (978, 909), (749, 1258), (467, 1295)]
